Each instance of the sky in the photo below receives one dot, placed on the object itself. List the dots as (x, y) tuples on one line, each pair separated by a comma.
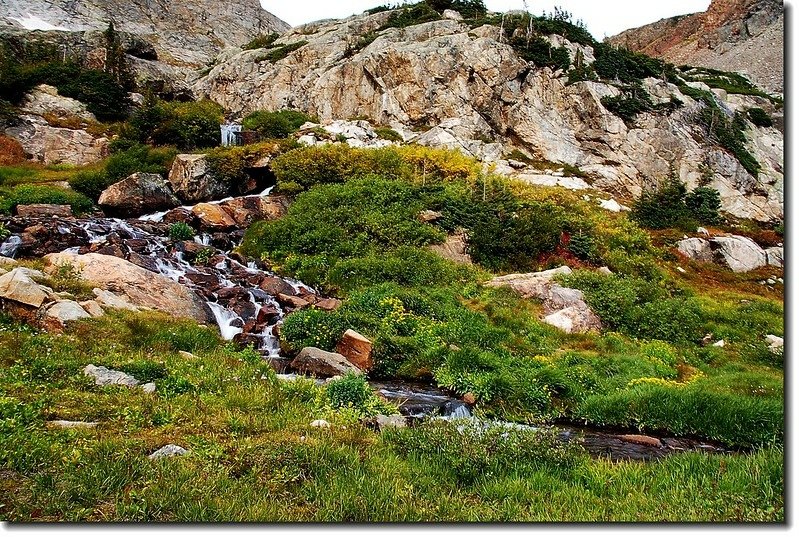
[(604, 18)]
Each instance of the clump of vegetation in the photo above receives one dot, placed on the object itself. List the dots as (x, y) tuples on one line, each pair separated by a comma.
[(233, 166), (353, 393), (189, 125), (671, 206), (387, 133), (632, 101), (278, 53), (278, 124), (760, 117), (4, 232), (262, 41), (27, 194), (180, 231), (469, 452)]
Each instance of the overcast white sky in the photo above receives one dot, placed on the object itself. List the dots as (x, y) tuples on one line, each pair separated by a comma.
[(603, 17)]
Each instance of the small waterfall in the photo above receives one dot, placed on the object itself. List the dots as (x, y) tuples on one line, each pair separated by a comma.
[(225, 319)]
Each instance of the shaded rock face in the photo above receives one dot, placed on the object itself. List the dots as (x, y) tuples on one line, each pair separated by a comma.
[(140, 286), (191, 181), (189, 32), (732, 35), (138, 194), (466, 88)]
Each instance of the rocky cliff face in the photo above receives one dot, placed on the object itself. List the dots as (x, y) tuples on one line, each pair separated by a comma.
[(443, 83), (732, 35), (189, 32)]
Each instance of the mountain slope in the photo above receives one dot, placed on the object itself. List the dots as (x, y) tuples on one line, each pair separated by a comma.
[(446, 83), (189, 32), (745, 36)]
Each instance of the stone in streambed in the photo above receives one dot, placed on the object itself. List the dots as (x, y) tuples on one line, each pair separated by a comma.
[(323, 364)]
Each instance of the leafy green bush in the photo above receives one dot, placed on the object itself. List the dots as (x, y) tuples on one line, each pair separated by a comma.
[(276, 124), (470, 9), (386, 133), (469, 452), (627, 67), (539, 51), (639, 308), (4, 232), (305, 167), (262, 41), (139, 158), (91, 183), (411, 16), (189, 125), (278, 53), (633, 101), (759, 117), (312, 328), (180, 231), (353, 392), (30, 194)]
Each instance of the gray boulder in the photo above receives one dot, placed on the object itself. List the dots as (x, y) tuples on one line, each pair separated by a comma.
[(170, 450), (696, 249), (192, 181), (741, 254), (775, 256), (323, 364), (139, 194)]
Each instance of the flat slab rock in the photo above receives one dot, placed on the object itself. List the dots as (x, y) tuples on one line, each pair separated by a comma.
[(109, 377)]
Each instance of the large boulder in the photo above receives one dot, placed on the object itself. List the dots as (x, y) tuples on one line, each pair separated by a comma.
[(531, 285), (43, 210), (453, 249), (136, 195), (248, 209), (741, 254), (139, 286), (212, 217), (323, 364), (192, 181), (45, 100), (775, 256), (575, 320)]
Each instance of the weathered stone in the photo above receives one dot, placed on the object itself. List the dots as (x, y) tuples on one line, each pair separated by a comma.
[(59, 314), (320, 424), (65, 424), (170, 450), (531, 285), (212, 217), (141, 287), (18, 286), (741, 254), (641, 439), (55, 145), (776, 344), (45, 100), (328, 304), (454, 249), (40, 210), (430, 216), (93, 308), (192, 182), (696, 249), (113, 301), (246, 210), (357, 349), (108, 377), (575, 320), (292, 301), (321, 363), (775, 256), (383, 422), (139, 194)]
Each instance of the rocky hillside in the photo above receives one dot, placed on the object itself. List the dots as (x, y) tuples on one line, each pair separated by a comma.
[(733, 35), (165, 41), (468, 85)]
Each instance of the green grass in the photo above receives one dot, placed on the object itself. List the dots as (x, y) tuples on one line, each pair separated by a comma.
[(253, 456)]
